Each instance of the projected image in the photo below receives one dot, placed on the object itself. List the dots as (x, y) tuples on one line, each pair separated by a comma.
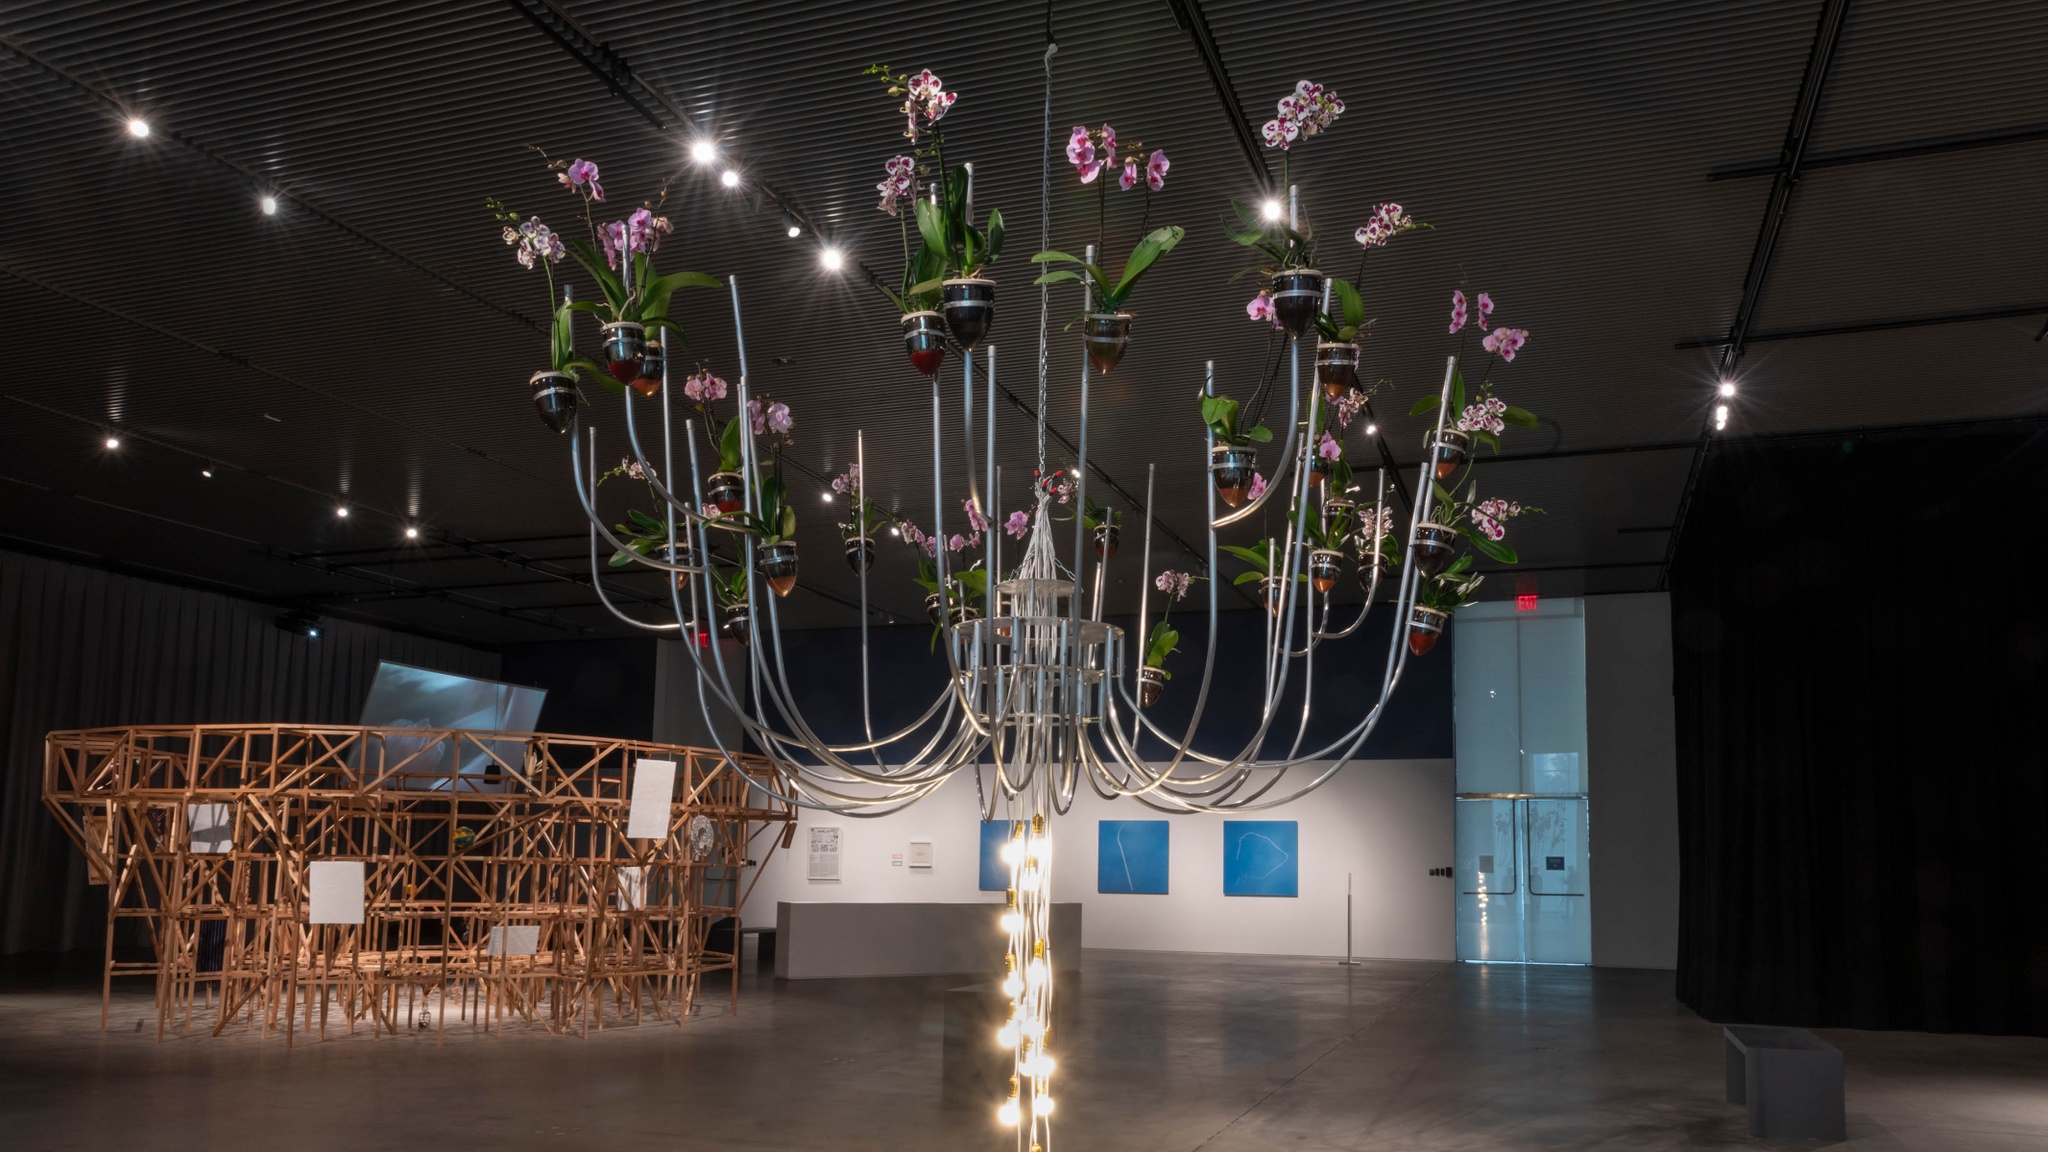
[(1261, 858), (1130, 856), (406, 697)]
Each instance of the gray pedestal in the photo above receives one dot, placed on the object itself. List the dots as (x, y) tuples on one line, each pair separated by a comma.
[(1790, 1079), (976, 1070)]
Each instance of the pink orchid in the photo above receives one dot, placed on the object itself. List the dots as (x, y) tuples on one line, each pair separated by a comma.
[(1280, 133), (711, 511), (1155, 170), (1485, 309), (1505, 342), (1017, 525), (975, 520), (847, 482), (897, 184), (1457, 310), (703, 387), (1261, 307), (1082, 155), (1174, 584), (956, 543), (1258, 488), (1329, 449), (775, 418), (1108, 144), (582, 173), (926, 98), (536, 242), (1129, 179)]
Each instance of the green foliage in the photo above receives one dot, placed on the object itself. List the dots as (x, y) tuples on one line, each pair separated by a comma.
[(731, 450), (1220, 414), (1112, 296), (731, 588), (644, 535), (1164, 642), (1344, 327), (776, 521), (1094, 516), (964, 249), (1282, 246), (864, 516)]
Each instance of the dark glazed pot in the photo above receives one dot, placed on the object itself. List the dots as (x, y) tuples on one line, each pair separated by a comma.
[(1365, 562), (680, 554), (624, 343), (1324, 566), (733, 621), (970, 307), (1232, 469), (1335, 505), (726, 491), (1151, 682), (777, 565), (652, 361), (1434, 546), (962, 610), (860, 554), (924, 337), (555, 397), (1337, 368), (1318, 469), (1106, 538), (1297, 298), (1450, 447), (1425, 627), (1104, 335)]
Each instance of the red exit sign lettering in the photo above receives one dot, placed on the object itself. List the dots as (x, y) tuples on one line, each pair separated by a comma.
[(1525, 603)]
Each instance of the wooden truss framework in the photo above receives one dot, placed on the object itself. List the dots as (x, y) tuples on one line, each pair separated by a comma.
[(461, 833)]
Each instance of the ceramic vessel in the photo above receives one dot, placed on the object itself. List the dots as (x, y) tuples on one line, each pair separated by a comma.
[(777, 565), (726, 491), (1435, 544), (1337, 368), (624, 343), (1151, 682), (1104, 335), (1297, 298), (1425, 628), (1232, 468), (555, 398), (969, 305), (924, 337)]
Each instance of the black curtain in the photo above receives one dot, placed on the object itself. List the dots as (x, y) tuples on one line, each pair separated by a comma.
[(1861, 679), (81, 648)]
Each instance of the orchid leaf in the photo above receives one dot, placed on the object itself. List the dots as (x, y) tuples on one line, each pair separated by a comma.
[(1259, 434), (1426, 404), (654, 300), (1050, 257), (599, 374), (1493, 548), (1519, 417), (1457, 389), (925, 286), (1059, 277), (1151, 248), (995, 235), (931, 225), (1248, 577), (1348, 299)]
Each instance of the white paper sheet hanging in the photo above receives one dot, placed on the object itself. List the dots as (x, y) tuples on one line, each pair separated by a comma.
[(211, 828), (632, 887), (824, 853), (337, 891), (514, 940), (654, 786)]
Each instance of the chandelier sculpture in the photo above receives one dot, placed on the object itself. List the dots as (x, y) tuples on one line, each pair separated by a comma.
[(1043, 692)]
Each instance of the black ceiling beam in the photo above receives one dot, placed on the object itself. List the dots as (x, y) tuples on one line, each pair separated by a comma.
[(1970, 316), (596, 55), (1878, 153), (1188, 15), (1805, 106), (271, 188)]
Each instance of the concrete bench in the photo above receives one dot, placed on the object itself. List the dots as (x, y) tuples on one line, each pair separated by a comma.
[(1790, 1079)]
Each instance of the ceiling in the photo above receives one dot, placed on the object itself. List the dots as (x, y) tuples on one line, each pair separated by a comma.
[(1605, 170)]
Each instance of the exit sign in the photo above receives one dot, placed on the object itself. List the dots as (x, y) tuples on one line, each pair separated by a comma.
[(1525, 603)]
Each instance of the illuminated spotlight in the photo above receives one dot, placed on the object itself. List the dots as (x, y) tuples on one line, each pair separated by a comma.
[(895, 531), (206, 472), (138, 127), (1720, 417), (827, 496), (832, 259), (794, 231), (1270, 209), (1372, 429), (412, 533), (341, 511), (703, 151), (730, 178), (113, 442), (269, 204), (1727, 387)]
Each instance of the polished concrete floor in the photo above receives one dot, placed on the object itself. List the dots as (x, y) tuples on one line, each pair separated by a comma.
[(1170, 1052)]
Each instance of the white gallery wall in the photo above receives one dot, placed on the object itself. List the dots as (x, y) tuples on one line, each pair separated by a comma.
[(1386, 823)]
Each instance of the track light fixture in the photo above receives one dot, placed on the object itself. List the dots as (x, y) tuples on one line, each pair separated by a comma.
[(138, 127)]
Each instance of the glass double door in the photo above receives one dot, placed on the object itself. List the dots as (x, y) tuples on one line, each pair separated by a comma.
[(1521, 878)]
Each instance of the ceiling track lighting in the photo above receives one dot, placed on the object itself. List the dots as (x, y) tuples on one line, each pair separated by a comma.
[(138, 127)]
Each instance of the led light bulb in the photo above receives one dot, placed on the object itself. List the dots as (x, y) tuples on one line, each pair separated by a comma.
[(1034, 973), (1041, 1105), (1039, 1066), (113, 442), (1372, 429), (1033, 1027), (269, 205), (832, 259), (138, 128), (412, 533), (1720, 416), (703, 151), (1011, 921), (730, 178), (1013, 851), (1727, 388), (1007, 1035), (1009, 1113), (1012, 987), (1041, 849)]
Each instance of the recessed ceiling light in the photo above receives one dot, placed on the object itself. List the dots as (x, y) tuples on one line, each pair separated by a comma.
[(703, 151), (832, 259), (138, 127), (412, 533), (1270, 209), (206, 472), (730, 178), (113, 441), (342, 511), (269, 205)]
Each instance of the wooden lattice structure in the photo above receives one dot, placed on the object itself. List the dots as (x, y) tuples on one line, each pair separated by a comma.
[(500, 885)]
